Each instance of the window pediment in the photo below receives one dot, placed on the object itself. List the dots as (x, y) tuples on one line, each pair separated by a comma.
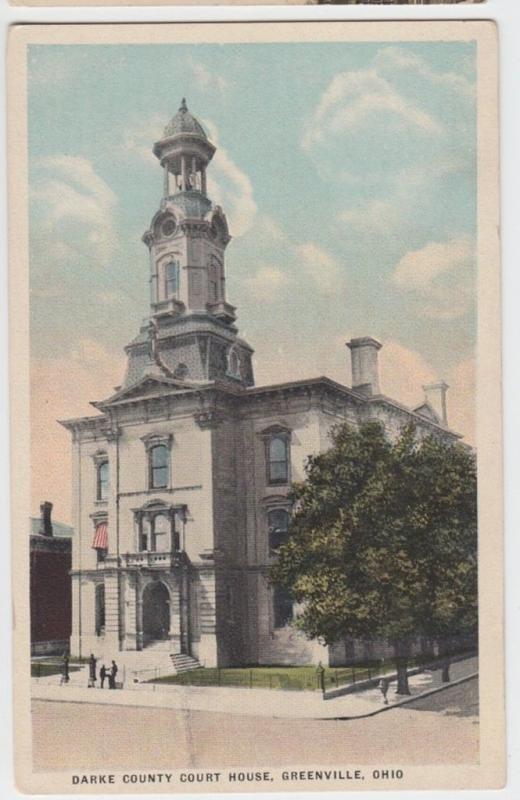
[(155, 439), (99, 457), (276, 430)]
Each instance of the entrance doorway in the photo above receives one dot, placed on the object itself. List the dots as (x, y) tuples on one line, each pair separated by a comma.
[(156, 612)]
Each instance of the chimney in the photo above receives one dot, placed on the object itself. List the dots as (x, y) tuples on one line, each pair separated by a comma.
[(435, 394), (365, 371), (45, 519)]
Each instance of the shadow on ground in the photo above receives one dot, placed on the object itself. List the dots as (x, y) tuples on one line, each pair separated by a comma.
[(458, 701)]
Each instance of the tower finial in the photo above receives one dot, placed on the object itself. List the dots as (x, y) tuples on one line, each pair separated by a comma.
[(183, 106)]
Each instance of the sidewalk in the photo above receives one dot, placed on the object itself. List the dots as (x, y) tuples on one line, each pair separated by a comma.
[(251, 702)]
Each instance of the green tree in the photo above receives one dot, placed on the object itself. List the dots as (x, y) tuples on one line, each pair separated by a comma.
[(383, 540)]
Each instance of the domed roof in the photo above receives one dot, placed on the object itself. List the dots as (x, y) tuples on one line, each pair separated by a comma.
[(184, 122)]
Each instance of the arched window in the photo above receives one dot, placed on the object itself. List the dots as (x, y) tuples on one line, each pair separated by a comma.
[(100, 609), (233, 363), (282, 607), (171, 278), (278, 459), (278, 528), (102, 480), (159, 456)]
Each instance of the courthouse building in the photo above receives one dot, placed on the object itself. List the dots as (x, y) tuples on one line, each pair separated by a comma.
[(181, 480)]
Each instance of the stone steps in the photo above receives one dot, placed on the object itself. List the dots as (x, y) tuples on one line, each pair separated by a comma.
[(183, 663)]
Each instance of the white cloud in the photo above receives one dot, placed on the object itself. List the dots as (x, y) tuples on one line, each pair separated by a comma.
[(439, 278), (375, 216), (267, 229), (320, 267), (404, 372), (139, 140), (74, 210), (230, 187), (267, 283), (419, 268), (62, 388), (390, 60), (207, 79), (353, 99)]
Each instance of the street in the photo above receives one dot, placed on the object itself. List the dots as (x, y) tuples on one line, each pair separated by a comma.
[(93, 736)]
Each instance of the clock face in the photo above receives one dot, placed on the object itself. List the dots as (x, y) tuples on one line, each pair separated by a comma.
[(168, 227)]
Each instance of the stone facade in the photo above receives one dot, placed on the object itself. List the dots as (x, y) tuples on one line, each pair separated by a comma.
[(181, 480)]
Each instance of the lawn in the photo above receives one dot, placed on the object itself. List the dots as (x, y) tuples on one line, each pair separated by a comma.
[(297, 678), (39, 669)]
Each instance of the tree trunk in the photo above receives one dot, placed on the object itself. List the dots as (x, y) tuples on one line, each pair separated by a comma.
[(402, 675), (446, 671)]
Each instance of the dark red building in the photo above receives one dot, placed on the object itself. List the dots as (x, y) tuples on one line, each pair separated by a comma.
[(50, 586)]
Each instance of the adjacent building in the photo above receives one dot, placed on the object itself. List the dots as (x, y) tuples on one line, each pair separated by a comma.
[(50, 583), (181, 479)]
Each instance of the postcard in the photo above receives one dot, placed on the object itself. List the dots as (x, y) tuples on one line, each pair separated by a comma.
[(234, 2), (255, 372)]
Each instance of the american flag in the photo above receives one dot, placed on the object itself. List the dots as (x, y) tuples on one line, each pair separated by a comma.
[(101, 537)]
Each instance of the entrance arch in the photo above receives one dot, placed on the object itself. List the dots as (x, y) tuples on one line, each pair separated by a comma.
[(156, 612)]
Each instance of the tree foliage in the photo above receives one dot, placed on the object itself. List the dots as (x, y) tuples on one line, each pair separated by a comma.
[(383, 539)]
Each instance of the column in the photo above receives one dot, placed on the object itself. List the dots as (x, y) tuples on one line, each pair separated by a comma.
[(129, 590), (138, 613), (203, 180), (183, 173), (75, 638), (175, 614), (207, 654), (112, 611), (166, 181)]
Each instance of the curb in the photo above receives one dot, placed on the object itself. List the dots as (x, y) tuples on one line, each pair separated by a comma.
[(380, 710), (407, 700)]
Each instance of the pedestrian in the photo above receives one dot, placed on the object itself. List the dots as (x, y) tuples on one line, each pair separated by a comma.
[(103, 675), (65, 669), (112, 676), (383, 685), (92, 670)]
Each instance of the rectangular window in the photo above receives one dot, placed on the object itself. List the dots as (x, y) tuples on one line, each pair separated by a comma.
[(102, 481), (159, 467)]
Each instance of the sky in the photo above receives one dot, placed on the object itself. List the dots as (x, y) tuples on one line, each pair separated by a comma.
[(348, 176)]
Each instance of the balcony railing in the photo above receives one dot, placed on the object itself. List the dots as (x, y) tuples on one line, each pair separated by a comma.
[(152, 559)]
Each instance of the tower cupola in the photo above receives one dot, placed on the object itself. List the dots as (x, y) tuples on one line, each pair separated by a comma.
[(184, 153), (191, 334)]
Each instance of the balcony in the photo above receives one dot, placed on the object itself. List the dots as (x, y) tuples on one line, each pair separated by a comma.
[(153, 560)]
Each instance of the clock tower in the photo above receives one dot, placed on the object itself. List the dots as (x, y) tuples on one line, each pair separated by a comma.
[(190, 334)]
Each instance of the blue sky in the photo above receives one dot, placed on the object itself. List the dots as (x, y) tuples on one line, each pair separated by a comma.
[(348, 175)]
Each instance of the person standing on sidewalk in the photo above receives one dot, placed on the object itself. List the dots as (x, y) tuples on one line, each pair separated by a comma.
[(92, 670), (112, 676), (383, 685), (102, 675), (65, 669)]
